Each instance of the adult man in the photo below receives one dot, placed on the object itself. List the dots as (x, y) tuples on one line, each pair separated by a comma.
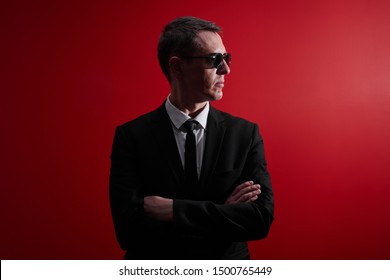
[(177, 198)]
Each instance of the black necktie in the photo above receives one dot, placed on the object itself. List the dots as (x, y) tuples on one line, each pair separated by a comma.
[(190, 154)]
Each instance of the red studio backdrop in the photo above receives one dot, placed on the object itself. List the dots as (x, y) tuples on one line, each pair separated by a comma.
[(315, 76)]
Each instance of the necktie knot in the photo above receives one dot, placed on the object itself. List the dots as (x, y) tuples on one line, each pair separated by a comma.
[(190, 125)]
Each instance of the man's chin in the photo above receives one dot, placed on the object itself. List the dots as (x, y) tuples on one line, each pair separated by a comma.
[(217, 96)]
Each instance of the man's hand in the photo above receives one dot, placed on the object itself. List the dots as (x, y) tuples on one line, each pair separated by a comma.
[(159, 208), (246, 192)]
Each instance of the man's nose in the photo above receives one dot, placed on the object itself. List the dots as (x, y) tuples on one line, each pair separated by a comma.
[(224, 69)]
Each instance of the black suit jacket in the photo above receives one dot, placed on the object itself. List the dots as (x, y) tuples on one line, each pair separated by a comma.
[(145, 161)]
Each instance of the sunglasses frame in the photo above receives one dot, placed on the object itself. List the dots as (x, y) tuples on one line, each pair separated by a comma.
[(217, 58)]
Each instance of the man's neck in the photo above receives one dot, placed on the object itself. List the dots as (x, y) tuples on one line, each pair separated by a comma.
[(189, 108)]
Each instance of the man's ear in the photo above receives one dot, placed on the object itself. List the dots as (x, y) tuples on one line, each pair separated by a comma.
[(175, 66)]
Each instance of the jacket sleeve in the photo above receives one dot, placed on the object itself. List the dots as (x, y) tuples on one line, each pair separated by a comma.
[(236, 222), (126, 192)]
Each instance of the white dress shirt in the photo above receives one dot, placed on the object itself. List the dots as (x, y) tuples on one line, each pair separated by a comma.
[(178, 118)]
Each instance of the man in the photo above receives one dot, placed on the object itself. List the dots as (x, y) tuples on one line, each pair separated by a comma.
[(188, 181)]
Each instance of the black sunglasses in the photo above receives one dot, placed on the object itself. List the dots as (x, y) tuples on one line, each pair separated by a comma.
[(217, 58)]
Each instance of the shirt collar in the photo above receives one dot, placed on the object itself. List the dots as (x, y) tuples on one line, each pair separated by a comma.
[(178, 118)]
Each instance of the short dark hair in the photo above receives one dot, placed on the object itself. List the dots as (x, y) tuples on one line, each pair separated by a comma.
[(178, 38)]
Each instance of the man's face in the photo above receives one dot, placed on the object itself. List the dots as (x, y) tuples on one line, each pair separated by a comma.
[(201, 80)]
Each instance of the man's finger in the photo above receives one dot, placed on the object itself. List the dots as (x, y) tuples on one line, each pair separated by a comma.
[(241, 186), (248, 196), (245, 190)]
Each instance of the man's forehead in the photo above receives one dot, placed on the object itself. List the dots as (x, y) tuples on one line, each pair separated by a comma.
[(210, 42)]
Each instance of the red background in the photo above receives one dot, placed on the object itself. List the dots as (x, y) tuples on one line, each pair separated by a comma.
[(315, 75)]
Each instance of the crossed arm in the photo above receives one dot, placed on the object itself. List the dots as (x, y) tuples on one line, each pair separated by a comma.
[(244, 215), (161, 209)]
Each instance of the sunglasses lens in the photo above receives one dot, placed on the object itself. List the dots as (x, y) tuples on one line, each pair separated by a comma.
[(228, 58), (218, 60)]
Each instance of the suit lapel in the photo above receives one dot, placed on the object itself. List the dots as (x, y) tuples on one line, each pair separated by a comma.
[(167, 147), (215, 133), (166, 143)]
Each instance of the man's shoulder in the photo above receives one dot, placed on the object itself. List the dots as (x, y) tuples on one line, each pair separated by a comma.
[(236, 127), (144, 120), (230, 119)]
